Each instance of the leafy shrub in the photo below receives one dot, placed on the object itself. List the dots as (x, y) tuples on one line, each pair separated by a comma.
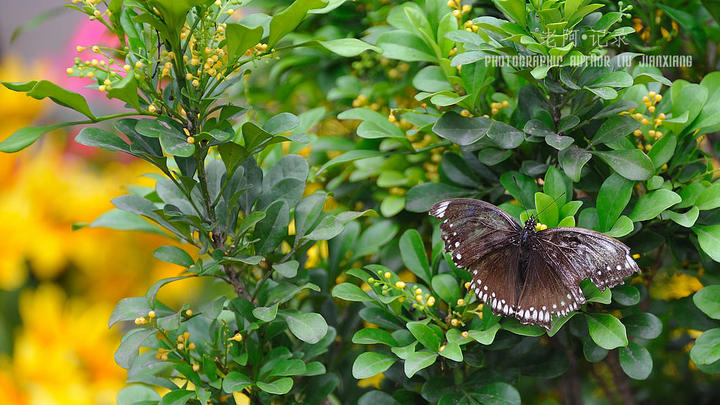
[(326, 296)]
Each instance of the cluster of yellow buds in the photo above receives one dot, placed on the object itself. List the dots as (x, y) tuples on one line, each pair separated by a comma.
[(256, 50), (399, 71), (162, 354), (142, 320), (471, 27), (183, 342), (466, 113), (650, 100), (496, 107), (540, 227), (458, 8), (93, 11)]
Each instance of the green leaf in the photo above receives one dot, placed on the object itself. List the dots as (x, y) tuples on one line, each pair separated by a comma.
[(652, 204), (446, 287), (368, 364), (615, 128), (308, 212), (24, 137), (558, 322), (128, 309), (130, 343), (266, 314), (431, 79), (96, 137), (153, 290), (504, 135), (632, 164), (175, 255), (287, 368), (606, 330), (287, 20), (425, 335), (451, 351), (405, 46), (374, 237), (281, 386), (623, 226), (558, 186), (371, 336), (635, 361), (377, 398), (271, 229), (137, 394), (626, 295), (709, 199), (593, 294), (513, 325), (485, 337), (612, 198), (413, 254), (709, 240), (350, 292), (240, 38), (177, 397), (288, 269), (461, 130), (572, 161), (498, 393), (348, 47), (236, 381), (417, 361), (250, 221), (44, 88), (374, 125), (707, 347), (350, 156), (125, 221), (643, 325), (520, 186), (686, 219), (663, 150), (392, 205), (308, 327), (547, 209), (420, 198), (708, 301)]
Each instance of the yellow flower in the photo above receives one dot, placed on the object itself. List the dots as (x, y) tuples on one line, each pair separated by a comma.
[(676, 286)]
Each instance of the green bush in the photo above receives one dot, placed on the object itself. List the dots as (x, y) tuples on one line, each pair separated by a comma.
[(327, 292)]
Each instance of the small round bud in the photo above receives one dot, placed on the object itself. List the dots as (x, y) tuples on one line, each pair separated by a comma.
[(400, 284), (96, 49), (388, 274), (188, 312), (195, 367), (460, 302), (180, 346), (454, 322), (151, 314), (465, 334)]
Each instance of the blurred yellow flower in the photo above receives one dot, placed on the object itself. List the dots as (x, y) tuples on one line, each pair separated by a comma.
[(676, 286), (63, 352)]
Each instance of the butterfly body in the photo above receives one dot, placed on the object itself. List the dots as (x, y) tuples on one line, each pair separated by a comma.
[(518, 271)]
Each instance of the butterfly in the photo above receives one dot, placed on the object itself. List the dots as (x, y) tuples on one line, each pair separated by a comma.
[(528, 274)]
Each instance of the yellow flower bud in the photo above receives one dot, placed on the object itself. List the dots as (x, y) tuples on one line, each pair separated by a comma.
[(431, 301), (465, 113), (180, 346), (186, 335), (190, 139), (138, 65), (96, 49), (388, 274), (651, 109), (637, 132), (658, 98), (195, 367), (636, 256), (151, 314), (461, 302), (69, 71), (644, 121), (505, 103), (646, 100), (466, 8), (391, 118), (188, 312), (465, 334), (651, 94), (238, 337), (454, 322), (152, 108), (467, 285), (661, 116), (400, 284), (195, 83), (418, 298), (191, 346), (441, 348), (102, 87), (80, 48)]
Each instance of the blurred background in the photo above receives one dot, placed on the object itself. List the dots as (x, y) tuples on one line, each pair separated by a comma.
[(58, 286)]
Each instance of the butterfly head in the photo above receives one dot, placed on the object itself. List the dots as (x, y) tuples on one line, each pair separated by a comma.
[(530, 225)]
